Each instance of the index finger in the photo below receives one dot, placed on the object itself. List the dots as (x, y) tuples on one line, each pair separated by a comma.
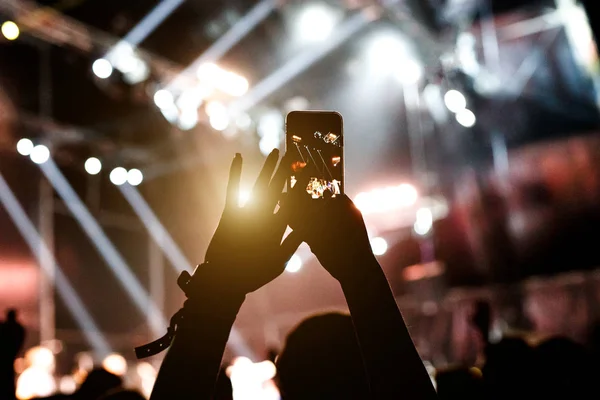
[(233, 186)]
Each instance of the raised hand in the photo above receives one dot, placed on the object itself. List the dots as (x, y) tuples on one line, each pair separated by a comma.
[(246, 252), (333, 228)]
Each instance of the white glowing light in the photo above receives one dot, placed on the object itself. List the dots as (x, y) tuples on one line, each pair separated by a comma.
[(163, 98), (35, 382), (268, 143), (386, 199), (118, 176), (10, 30), (455, 101), (134, 177), (102, 68), (252, 381), (243, 197), (409, 73), (271, 124), (218, 116), (243, 121), (232, 84), (208, 72), (215, 108), (190, 99), (379, 246), (139, 73), (39, 154), (316, 23), (67, 385), (407, 194), (219, 122), (188, 119), (40, 357), (387, 53), (466, 118), (424, 221), (24, 147), (171, 113), (294, 264), (93, 166), (115, 364)]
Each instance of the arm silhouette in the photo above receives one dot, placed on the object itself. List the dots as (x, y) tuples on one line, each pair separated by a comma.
[(342, 246), (245, 253)]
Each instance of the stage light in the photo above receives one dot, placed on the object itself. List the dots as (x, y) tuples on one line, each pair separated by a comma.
[(102, 68), (409, 73), (407, 194), (188, 119), (208, 72), (24, 146), (170, 113), (190, 99), (267, 144), (315, 23), (67, 385), (93, 166), (115, 364), (271, 123), (387, 53), (297, 103), (379, 246), (218, 115), (232, 84), (215, 108), (35, 382), (243, 121), (40, 357), (455, 101), (466, 118), (163, 99), (134, 177), (424, 221), (219, 122), (118, 176), (10, 30), (294, 264), (39, 154)]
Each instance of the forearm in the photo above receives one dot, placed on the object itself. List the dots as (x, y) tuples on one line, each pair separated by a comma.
[(192, 364), (393, 365)]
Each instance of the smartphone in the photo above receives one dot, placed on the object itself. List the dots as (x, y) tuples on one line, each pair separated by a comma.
[(317, 137)]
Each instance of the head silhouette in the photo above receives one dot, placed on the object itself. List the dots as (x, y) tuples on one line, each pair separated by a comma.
[(322, 360), (123, 395), (98, 382), (11, 315)]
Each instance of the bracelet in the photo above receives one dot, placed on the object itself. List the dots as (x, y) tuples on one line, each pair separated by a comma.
[(164, 342)]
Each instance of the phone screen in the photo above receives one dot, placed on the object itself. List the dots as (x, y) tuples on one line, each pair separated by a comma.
[(316, 138)]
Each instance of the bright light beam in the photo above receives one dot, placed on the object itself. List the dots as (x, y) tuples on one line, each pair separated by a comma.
[(237, 32), (173, 253), (156, 228), (299, 64), (147, 25), (115, 261), (41, 252)]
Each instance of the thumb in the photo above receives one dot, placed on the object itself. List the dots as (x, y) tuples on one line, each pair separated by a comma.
[(290, 245)]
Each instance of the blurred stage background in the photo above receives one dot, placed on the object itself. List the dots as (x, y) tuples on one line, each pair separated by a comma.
[(472, 148)]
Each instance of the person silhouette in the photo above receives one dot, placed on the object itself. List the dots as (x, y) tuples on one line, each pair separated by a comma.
[(322, 360), (12, 337)]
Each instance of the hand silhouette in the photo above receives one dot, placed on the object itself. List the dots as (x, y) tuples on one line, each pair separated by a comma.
[(334, 230), (246, 251)]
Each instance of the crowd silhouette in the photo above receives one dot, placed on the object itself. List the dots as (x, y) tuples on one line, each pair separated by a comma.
[(367, 354)]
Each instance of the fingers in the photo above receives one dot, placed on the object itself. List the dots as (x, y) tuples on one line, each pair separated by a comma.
[(290, 245), (279, 179), (262, 182), (233, 186)]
